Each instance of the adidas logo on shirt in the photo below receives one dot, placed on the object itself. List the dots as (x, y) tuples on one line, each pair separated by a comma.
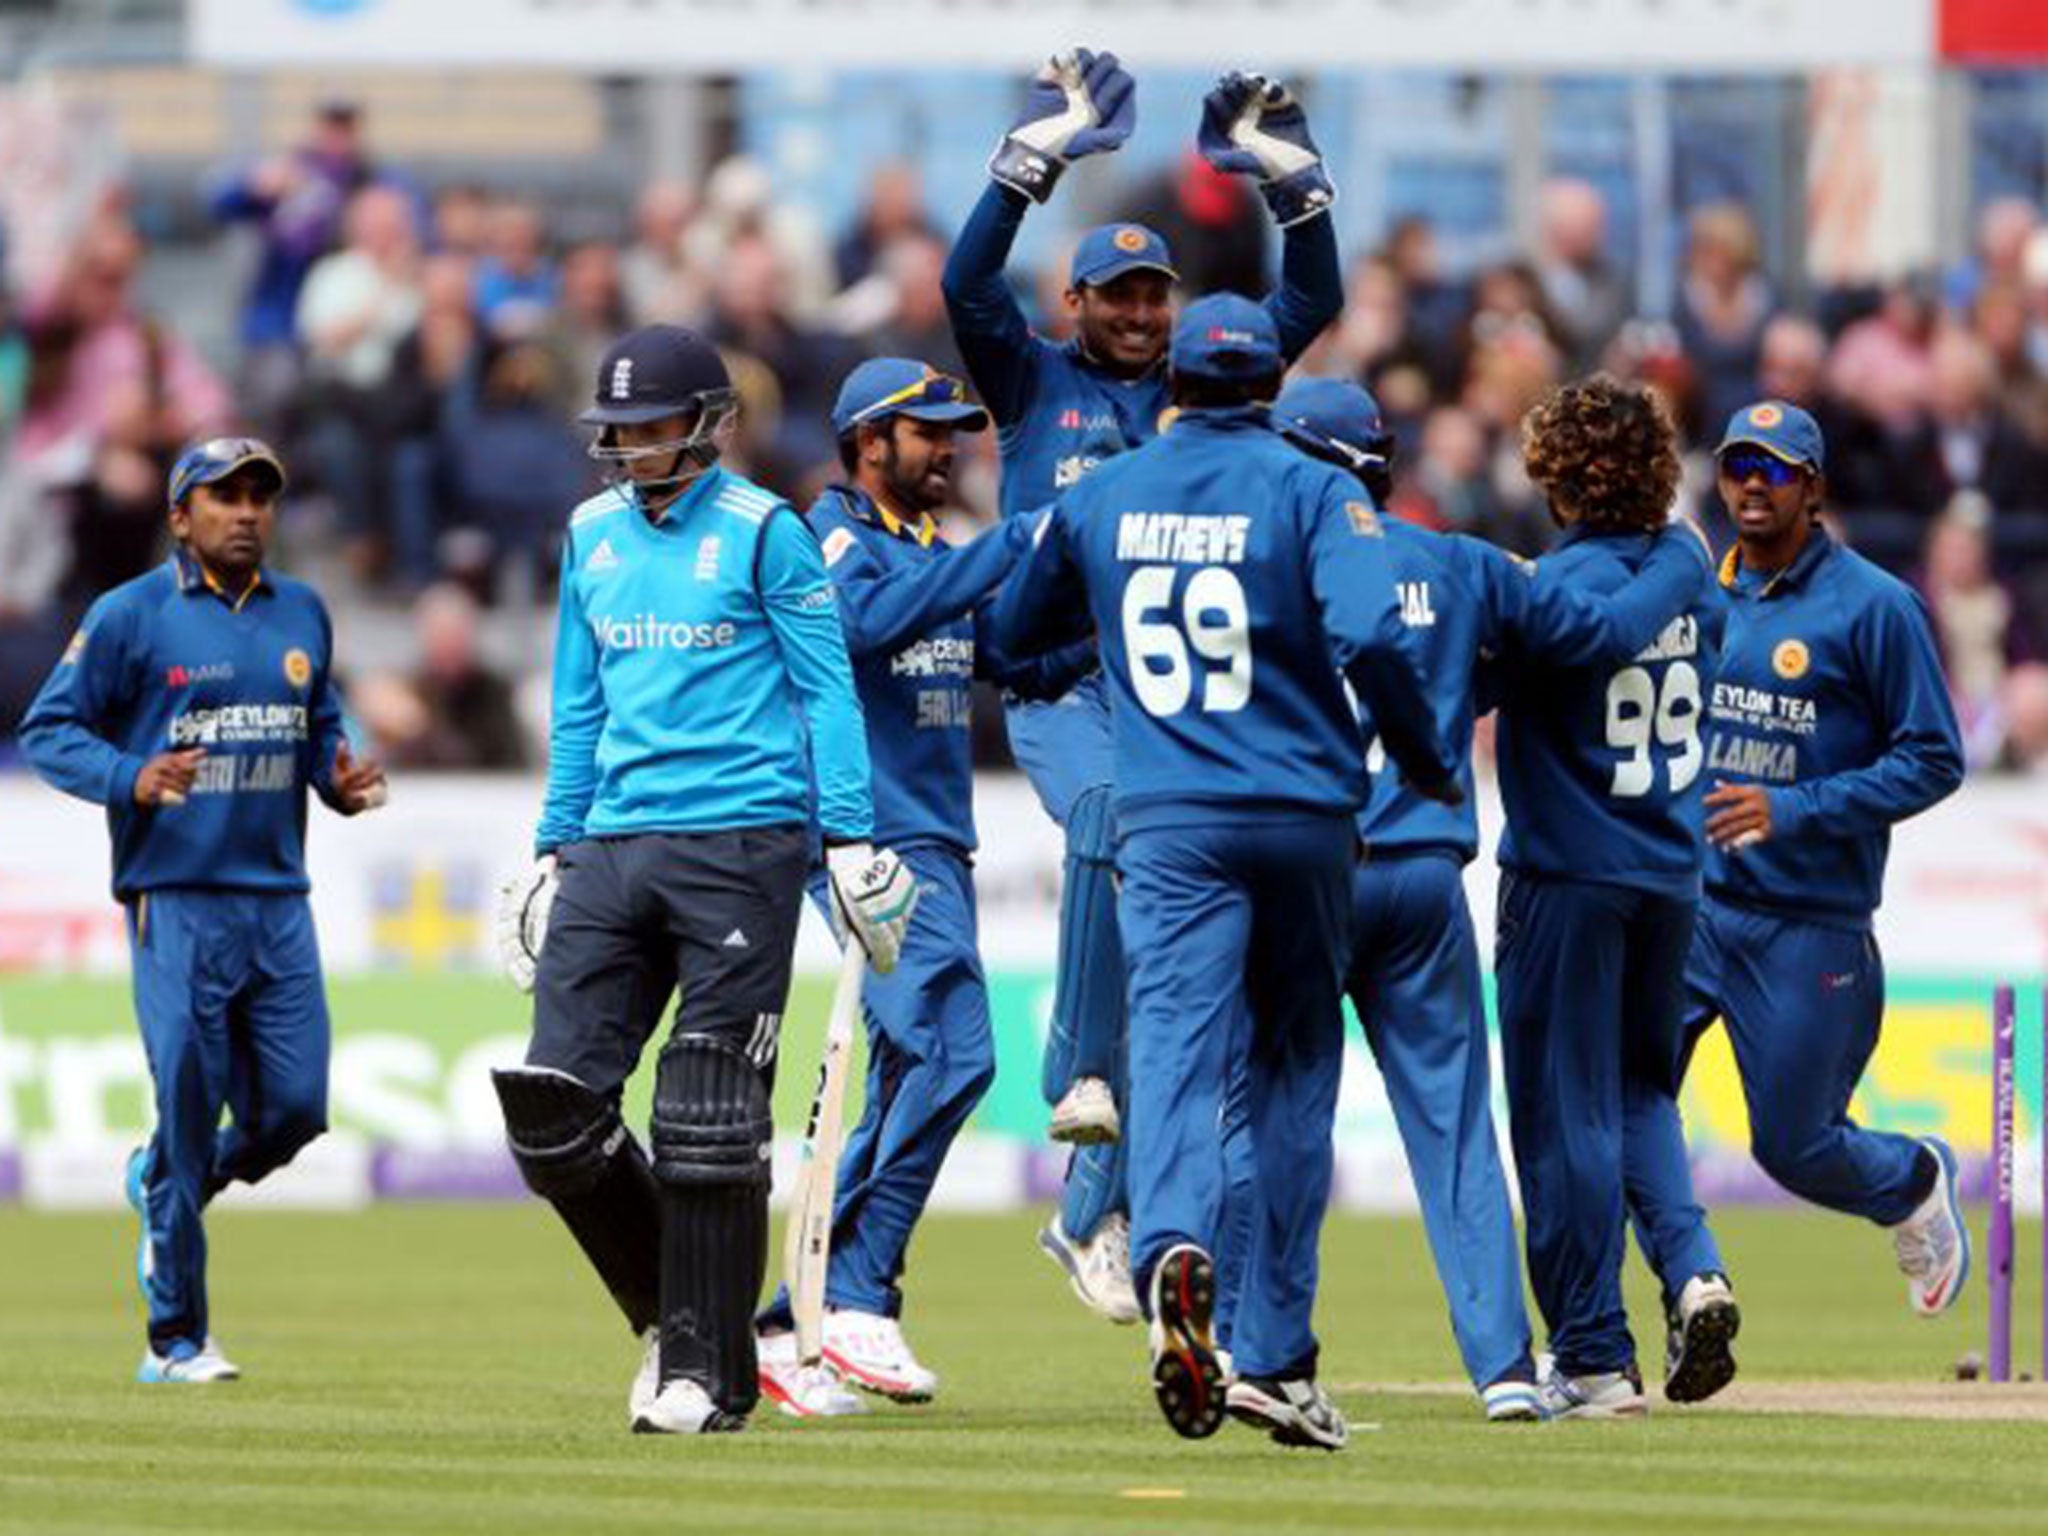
[(603, 558), (736, 940)]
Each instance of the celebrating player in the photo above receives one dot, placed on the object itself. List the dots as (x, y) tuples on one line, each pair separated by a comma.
[(1829, 723), (1600, 862), (1414, 971), (916, 624), (196, 703), (697, 647), (1238, 765), (1063, 409)]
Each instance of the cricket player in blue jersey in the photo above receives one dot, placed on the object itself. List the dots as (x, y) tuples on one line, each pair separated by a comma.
[(701, 684), (1060, 410), (1828, 722), (1235, 585), (197, 704), (1414, 969), (915, 612), (1600, 869)]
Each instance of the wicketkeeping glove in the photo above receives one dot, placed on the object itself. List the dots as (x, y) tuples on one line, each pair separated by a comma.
[(1081, 103), (524, 902), (873, 895), (1253, 126)]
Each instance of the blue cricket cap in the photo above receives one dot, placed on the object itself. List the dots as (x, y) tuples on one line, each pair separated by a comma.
[(1225, 336), (1325, 413), (883, 387), (215, 458), (1780, 429), (1109, 251)]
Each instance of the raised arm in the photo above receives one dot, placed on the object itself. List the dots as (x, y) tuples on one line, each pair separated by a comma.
[(1561, 625)]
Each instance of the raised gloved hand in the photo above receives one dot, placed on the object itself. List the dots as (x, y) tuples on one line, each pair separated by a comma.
[(524, 902), (1081, 103), (873, 895), (1253, 126)]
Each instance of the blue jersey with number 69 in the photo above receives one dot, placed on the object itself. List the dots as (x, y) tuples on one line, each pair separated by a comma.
[(1229, 577), (1600, 766)]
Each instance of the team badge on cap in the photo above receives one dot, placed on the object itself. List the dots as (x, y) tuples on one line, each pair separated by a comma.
[(1765, 416), (1128, 239), (298, 667), (1791, 659)]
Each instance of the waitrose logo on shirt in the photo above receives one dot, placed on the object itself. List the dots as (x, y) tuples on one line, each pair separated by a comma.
[(650, 632)]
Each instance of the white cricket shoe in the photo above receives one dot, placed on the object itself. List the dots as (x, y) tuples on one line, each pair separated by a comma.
[(802, 1391), (188, 1363), (684, 1408), (1698, 1361), (1512, 1401), (1294, 1412), (1099, 1269), (870, 1351), (646, 1380), (1601, 1395), (1933, 1244), (1086, 1116)]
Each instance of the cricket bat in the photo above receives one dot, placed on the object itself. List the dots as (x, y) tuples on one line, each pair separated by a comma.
[(807, 1243)]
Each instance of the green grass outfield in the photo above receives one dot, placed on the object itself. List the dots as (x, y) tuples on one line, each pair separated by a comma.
[(451, 1369)]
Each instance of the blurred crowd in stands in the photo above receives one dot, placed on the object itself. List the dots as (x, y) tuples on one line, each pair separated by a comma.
[(419, 354)]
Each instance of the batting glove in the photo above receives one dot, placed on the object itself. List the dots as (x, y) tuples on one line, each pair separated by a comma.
[(1253, 126), (873, 895), (524, 902), (1081, 103)]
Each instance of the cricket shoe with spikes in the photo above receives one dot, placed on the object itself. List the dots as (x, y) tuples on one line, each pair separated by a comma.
[(1294, 1412), (1187, 1379), (1597, 1395), (682, 1407), (812, 1391), (870, 1351), (1086, 1115), (1099, 1269), (1700, 1327), (1933, 1244), (186, 1363)]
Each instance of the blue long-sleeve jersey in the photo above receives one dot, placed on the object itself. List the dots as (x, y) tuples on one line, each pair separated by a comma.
[(168, 661), (1058, 415), (1220, 620), (1463, 600), (1830, 692), (700, 672), (916, 615), (1600, 766)]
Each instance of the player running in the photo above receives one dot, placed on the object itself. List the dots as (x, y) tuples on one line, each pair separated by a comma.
[(1600, 869), (701, 682), (915, 614), (197, 704), (1414, 965), (1061, 410), (1238, 766), (1829, 723)]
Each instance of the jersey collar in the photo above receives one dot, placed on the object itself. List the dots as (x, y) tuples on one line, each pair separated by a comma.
[(1817, 548), (194, 580), (924, 532), (677, 512)]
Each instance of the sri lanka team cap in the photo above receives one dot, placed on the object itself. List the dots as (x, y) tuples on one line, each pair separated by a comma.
[(1777, 428)]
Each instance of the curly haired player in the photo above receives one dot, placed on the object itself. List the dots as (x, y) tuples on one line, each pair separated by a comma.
[(1600, 876)]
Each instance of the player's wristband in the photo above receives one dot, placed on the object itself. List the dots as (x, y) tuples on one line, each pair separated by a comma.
[(1024, 169), (1294, 199)]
